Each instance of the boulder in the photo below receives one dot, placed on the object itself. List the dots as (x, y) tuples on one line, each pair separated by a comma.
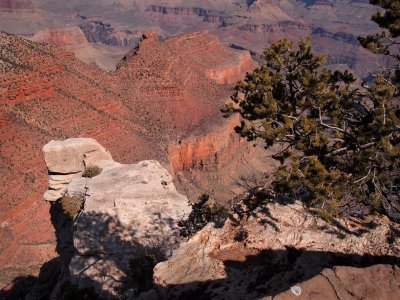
[(71, 155), (67, 159)]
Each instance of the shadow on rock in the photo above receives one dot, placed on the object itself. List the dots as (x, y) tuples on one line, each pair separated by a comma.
[(99, 258), (18, 289), (272, 272), (112, 259)]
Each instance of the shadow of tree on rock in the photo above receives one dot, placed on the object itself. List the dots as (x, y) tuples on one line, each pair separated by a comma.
[(109, 252), (114, 260), (269, 273), (99, 257)]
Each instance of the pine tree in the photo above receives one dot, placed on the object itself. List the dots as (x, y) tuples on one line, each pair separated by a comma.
[(387, 42), (343, 143)]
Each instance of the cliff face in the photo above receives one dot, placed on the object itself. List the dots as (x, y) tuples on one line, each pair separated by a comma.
[(229, 72), (129, 211), (210, 152), (159, 95), (62, 37), (215, 163), (170, 83), (99, 32)]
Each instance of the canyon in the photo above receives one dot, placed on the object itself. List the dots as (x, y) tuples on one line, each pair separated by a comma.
[(111, 27), (147, 80), (162, 95)]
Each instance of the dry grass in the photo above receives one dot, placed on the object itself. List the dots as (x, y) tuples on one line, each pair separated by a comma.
[(72, 205), (91, 171)]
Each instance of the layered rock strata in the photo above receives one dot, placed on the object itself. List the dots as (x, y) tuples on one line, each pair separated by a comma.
[(67, 159), (69, 36), (99, 32), (10, 5), (136, 113)]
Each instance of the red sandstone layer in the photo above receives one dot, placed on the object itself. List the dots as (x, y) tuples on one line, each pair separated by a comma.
[(159, 95)]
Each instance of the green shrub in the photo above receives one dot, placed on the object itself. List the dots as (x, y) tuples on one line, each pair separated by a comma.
[(72, 205), (203, 213), (91, 171)]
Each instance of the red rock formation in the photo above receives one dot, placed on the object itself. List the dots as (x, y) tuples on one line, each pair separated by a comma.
[(62, 36), (168, 82), (210, 152), (160, 94), (228, 73)]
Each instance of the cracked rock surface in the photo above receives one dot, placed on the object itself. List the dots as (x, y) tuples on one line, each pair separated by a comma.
[(282, 251)]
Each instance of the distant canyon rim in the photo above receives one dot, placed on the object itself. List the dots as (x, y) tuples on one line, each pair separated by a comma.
[(102, 32)]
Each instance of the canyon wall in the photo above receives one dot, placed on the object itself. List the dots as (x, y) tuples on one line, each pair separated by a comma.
[(251, 25), (229, 72), (99, 32), (210, 152), (137, 112), (62, 36)]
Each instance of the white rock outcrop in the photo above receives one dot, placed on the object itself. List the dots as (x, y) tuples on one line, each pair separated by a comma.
[(129, 211), (67, 159)]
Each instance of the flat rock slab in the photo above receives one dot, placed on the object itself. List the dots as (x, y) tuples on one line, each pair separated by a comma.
[(71, 155)]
